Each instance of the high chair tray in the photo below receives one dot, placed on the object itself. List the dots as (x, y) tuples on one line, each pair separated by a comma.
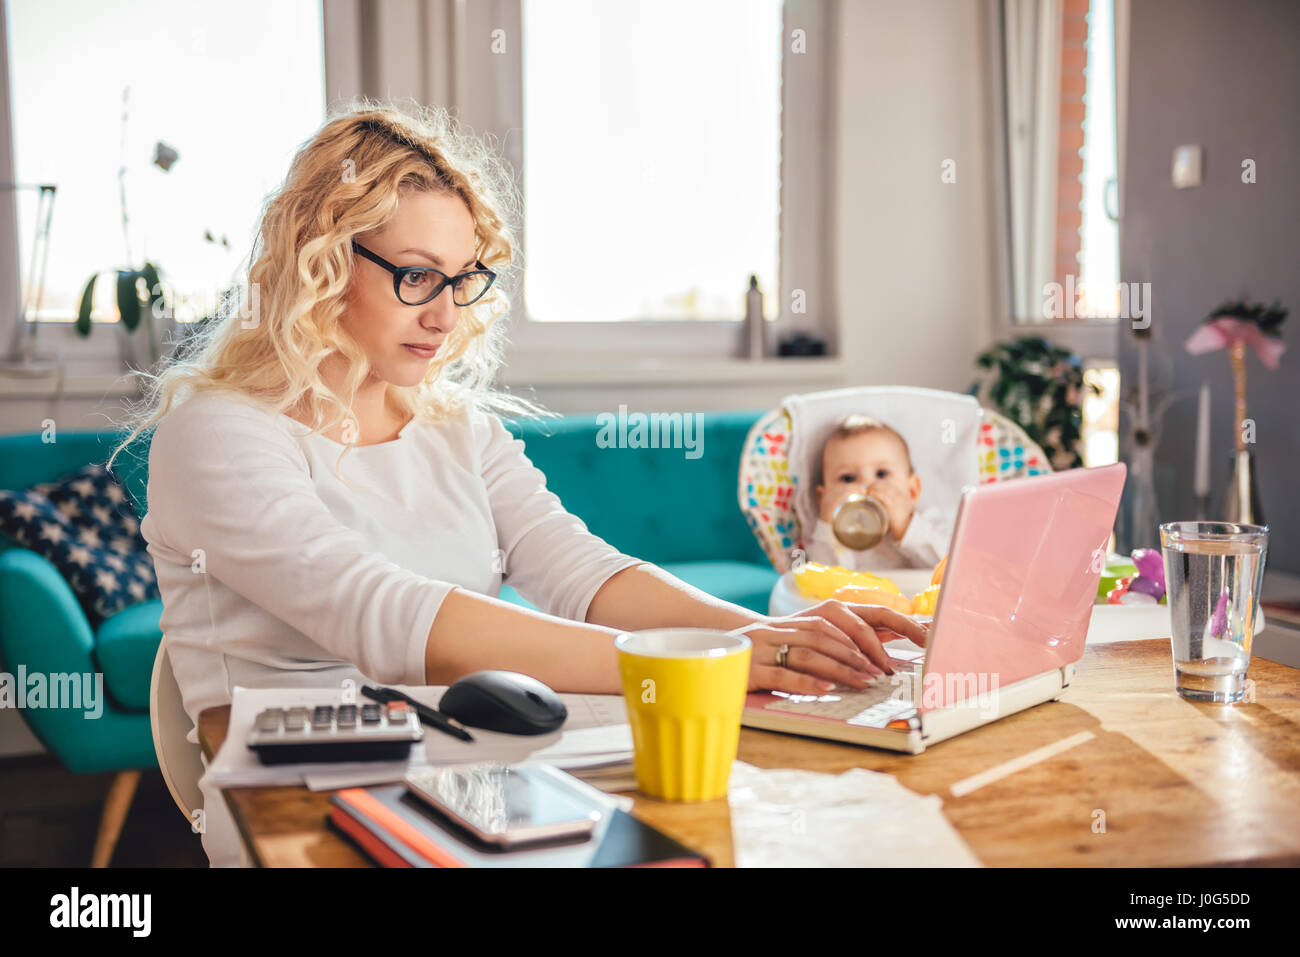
[(786, 599), (1109, 622)]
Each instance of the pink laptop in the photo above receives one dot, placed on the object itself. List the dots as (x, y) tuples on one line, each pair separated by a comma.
[(1010, 625)]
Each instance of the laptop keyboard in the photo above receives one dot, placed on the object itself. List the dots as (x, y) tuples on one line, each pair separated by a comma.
[(874, 706)]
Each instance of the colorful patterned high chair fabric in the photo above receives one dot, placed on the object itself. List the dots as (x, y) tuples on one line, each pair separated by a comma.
[(1003, 450)]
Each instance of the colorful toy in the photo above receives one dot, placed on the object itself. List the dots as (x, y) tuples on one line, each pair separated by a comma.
[(1151, 573), (1123, 594), (924, 603), (937, 577), (1111, 576), (874, 596), (1139, 581), (816, 580)]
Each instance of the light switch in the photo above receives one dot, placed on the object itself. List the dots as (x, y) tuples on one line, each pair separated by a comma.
[(1187, 166)]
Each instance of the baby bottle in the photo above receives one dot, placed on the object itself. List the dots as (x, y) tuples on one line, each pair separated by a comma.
[(860, 522)]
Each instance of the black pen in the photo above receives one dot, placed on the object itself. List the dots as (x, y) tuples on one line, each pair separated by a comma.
[(427, 715)]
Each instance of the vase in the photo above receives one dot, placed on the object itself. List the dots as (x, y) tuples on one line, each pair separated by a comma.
[(1241, 500)]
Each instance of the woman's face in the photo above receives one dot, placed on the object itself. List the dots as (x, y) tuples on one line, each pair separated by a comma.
[(428, 229)]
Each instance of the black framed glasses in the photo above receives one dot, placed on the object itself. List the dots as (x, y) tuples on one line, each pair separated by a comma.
[(416, 285)]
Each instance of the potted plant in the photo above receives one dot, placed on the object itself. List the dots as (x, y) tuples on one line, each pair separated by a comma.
[(1039, 386)]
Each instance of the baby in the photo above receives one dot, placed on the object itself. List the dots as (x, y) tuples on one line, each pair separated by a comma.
[(865, 455)]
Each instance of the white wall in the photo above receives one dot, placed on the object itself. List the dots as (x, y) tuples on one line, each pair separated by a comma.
[(915, 255)]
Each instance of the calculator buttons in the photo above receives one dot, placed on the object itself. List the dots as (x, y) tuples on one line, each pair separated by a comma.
[(328, 732)]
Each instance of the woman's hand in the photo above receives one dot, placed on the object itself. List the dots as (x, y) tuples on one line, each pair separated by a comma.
[(831, 643)]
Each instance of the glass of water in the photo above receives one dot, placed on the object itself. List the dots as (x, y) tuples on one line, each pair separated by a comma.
[(1213, 575)]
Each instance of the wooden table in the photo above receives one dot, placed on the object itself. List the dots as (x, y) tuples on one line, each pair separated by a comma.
[(1174, 783)]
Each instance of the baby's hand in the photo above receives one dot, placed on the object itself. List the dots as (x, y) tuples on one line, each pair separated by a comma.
[(898, 506)]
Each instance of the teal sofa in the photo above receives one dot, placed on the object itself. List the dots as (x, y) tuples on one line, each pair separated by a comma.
[(657, 504), (43, 626)]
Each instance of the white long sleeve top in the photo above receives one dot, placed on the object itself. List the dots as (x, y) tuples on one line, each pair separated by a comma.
[(274, 572)]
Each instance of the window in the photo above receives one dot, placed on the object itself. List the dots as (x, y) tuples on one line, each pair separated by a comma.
[(1093, 227), (1100, 432), (233, 89), (1060, 97), (652, 133), (1062, 159), (1092, 221), (624, 255)]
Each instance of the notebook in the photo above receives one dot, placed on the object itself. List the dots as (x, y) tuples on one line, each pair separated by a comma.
[(396, 829)]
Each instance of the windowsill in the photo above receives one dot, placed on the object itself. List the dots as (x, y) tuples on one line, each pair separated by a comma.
[(77, 384), (1096, 339), (535, 370), (1084, 323), (598, 371)]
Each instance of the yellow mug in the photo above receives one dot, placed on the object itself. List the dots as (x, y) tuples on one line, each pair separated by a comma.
[(685, 689)]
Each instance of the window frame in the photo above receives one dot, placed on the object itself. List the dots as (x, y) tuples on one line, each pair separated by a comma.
[(491, 100), (89, 354), (72, 350), (1095, 341), (10, 262)]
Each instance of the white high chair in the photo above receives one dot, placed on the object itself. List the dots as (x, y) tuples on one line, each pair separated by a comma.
[(779, 457)]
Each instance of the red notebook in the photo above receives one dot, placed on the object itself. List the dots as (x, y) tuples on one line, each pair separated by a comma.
[(396, 829)]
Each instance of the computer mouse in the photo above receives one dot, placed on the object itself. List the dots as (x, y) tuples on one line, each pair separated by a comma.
[(504, 701)]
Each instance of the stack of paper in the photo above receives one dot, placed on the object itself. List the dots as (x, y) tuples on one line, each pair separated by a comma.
[(856, 819), (596, 735)]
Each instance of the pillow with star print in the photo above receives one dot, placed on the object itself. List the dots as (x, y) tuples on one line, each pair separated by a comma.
[(85, 525)]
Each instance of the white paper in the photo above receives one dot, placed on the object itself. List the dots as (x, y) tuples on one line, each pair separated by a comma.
[(596, 734), (861, 818)]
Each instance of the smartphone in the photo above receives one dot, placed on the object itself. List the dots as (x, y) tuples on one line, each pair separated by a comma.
[(508, 805)]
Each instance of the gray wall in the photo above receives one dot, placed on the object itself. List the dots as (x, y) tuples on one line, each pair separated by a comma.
[(1224, 75)]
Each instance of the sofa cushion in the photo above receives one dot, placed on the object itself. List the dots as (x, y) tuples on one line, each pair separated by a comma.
[(659, 504), (86, 526), (744, 583), (31, 457), (125, 647)]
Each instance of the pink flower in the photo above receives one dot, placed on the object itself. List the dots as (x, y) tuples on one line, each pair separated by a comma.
[(1223, 332)]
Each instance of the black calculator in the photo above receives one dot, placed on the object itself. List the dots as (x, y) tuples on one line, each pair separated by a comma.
[(345, 732)]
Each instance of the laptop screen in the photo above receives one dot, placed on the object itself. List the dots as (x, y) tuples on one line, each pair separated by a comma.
[(1021, 581)]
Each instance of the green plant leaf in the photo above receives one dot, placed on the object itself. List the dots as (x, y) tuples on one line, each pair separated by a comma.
[(128, 298), (155, 290), (150, 273), (87, 302)]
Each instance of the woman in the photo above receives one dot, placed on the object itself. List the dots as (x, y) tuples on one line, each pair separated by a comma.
[(330, 497)]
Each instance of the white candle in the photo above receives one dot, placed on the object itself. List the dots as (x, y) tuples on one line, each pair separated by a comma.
[(1202, 480)]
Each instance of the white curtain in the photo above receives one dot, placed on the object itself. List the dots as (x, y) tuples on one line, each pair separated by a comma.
[(1032, 43), (438, 52)]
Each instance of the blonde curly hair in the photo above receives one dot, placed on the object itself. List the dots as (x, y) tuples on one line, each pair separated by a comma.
[(346, 180)]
